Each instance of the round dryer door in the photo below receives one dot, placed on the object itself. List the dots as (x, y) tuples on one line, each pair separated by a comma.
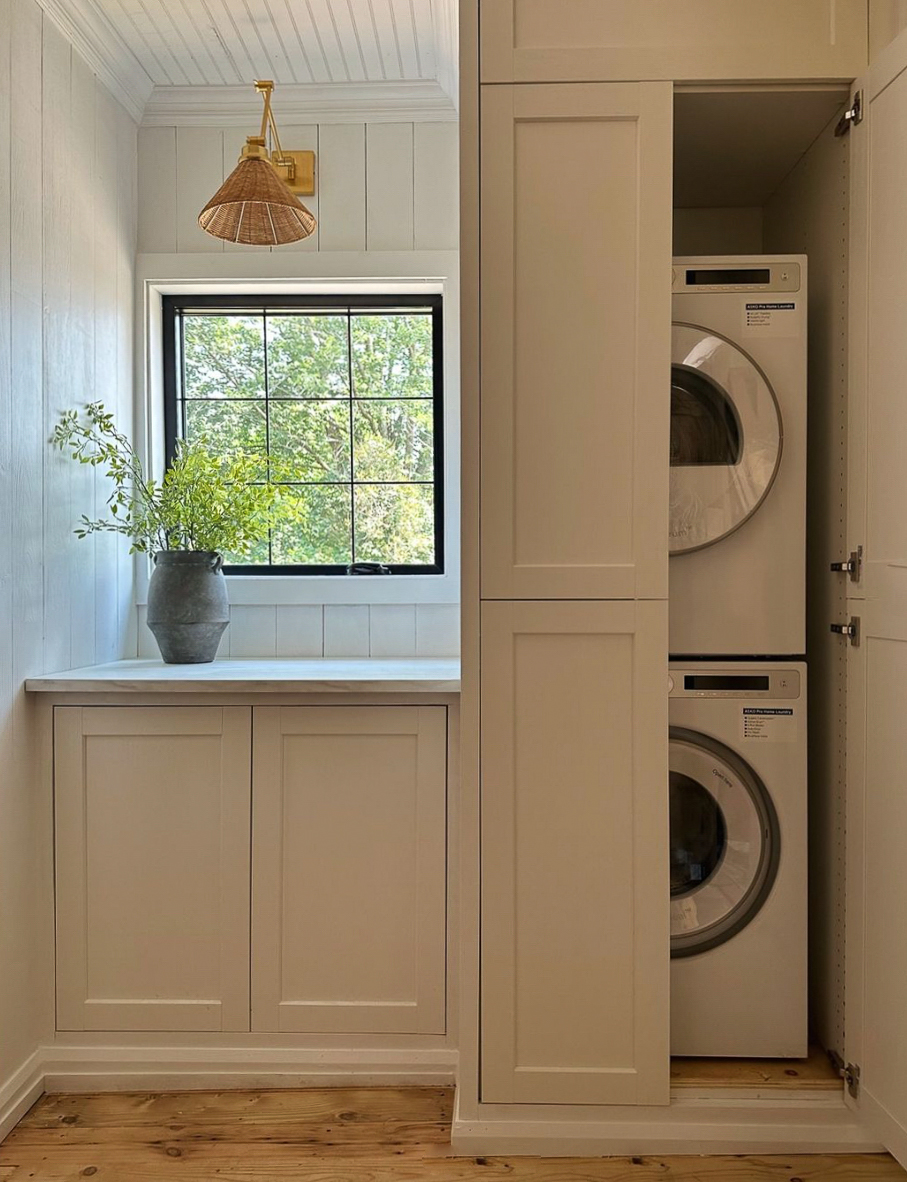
[(725, 438), (725, 843)]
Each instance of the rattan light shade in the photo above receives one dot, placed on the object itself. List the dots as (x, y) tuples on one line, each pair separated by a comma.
[(254, 206)]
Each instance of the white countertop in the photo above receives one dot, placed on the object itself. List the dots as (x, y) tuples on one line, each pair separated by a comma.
[(312, 676)]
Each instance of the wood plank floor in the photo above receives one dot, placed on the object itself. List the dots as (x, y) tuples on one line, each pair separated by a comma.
[(815, 1071), (333, 1135)]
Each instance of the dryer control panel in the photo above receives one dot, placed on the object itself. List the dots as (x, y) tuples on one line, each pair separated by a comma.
[(701, 275), (692, 682)]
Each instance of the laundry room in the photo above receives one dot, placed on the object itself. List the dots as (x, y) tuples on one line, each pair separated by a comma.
[(758, 518)]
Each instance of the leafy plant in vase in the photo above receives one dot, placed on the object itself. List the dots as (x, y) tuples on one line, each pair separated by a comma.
[(205, 505)]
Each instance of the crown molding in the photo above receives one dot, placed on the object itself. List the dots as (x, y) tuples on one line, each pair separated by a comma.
[(335, 102), (88, 30), (445, 23)]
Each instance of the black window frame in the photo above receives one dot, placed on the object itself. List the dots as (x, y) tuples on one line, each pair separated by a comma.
[(174, 307)]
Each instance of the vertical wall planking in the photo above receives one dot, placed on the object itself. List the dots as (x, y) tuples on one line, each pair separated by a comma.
[(58, 538), (435, 199), (389, 186), (341, 182), (157, 191), (199, 174), (80, 384)]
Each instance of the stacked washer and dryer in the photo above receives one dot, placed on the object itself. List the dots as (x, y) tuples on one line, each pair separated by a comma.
[(737, 682)]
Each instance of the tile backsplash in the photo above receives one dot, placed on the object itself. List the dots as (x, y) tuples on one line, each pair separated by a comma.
[(334, 630)]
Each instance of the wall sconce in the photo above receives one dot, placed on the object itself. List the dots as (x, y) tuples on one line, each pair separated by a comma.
[(258, 203)]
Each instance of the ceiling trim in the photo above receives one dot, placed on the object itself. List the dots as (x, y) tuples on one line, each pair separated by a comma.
[(108, 56), (444, 14), (333, 102)]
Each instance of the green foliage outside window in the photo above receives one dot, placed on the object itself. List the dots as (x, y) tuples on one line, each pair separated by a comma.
[(338, 406)]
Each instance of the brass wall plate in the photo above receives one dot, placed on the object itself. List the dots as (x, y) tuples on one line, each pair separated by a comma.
[(303, 182)]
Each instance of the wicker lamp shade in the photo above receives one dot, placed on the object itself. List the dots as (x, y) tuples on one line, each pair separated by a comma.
[(254, 206)]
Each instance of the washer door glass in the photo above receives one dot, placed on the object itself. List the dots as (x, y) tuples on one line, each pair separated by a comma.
[(725, 438), (725, 842)]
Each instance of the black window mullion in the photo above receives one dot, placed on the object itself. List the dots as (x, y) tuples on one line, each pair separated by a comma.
[(349, 373), (176, 308), (264, 345)]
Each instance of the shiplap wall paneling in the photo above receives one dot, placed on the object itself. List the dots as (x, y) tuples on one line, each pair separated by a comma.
[(381, 186), (58, 371), (389, 186), (574, 830), (348, 869), (340, 180), (576, 322), (435, 186), (67, 257), (199, 174), (158, 196), (152, 808), (304, 138), (332, 630), (575, 40)]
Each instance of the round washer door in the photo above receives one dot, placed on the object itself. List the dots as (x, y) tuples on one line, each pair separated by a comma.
[(726, 437), (725, 842)]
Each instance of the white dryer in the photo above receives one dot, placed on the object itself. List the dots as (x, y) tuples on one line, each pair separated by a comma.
[(738, 859), (738, 457)]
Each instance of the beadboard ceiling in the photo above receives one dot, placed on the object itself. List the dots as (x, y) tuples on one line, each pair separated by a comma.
[(193, 61)]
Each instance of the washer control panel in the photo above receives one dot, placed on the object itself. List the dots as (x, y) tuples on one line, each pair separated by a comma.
[(704, 682)]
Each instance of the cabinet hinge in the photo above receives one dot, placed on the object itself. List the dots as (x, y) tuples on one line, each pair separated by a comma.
[(851, 630), (852, 116), (853, 566), (849, 1072)]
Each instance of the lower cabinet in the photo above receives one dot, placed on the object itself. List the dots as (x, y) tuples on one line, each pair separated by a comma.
[(152, 867), (574, 829), (300, 848), (349, 880)]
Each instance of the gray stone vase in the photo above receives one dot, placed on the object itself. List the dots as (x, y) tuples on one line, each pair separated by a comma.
[(188, 608)]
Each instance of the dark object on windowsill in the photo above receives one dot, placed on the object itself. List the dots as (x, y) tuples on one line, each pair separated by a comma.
[(368, 568)]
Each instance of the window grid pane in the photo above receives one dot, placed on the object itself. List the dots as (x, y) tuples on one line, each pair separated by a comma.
[(323, 428)]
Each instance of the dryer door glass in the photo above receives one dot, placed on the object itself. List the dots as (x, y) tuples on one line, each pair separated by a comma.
[(725, 843), (725, 438)]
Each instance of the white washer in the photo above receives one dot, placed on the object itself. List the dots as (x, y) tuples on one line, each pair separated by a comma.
[(738, 456), (738, 859)]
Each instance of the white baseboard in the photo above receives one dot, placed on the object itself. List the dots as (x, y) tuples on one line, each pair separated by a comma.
[(100, 1068), (688, 1126), (20, 1091)]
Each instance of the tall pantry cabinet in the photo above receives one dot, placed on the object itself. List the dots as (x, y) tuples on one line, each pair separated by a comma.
[(566, 239), (575, 358)]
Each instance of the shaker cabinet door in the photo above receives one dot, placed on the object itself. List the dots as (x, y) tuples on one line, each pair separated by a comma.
[(152, 867), (574, 835), (349, 869), (575, 327), (678, 40)]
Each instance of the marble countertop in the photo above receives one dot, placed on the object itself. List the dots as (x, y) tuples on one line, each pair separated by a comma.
[(360, 675)]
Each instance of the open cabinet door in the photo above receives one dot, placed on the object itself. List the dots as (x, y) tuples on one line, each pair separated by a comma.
[(876, 1009)]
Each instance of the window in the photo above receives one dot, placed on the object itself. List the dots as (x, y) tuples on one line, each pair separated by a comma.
[(343, 395)]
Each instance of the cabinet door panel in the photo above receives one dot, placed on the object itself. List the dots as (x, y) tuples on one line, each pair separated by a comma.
[(611, 40), (575, 940), (575, 310), (152, 867), (349, 878)]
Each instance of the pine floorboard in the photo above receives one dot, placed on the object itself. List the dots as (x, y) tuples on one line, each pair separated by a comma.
[(815, 1071), (334, 1135)]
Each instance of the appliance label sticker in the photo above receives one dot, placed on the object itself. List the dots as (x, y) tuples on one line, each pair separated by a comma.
[(768, 724), (775, 319)]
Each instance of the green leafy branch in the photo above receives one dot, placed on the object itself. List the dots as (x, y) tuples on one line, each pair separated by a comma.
[(204, 501)]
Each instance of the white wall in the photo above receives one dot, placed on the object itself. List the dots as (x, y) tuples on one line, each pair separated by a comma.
[(381, 188), (67, 248), (728, 230), (809, 214)]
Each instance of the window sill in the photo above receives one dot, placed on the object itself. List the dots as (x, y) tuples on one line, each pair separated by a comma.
[(274, 590)]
